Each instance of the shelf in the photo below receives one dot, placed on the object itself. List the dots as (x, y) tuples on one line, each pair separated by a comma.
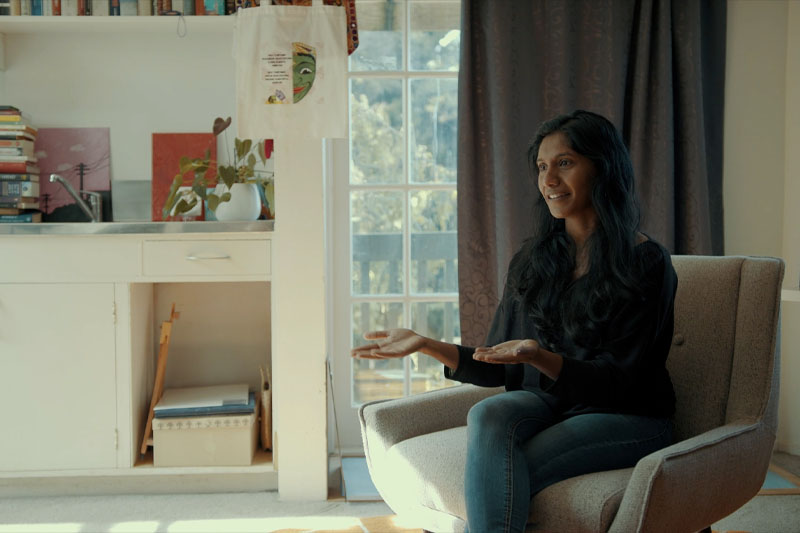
[(129, 24), (262, 462)]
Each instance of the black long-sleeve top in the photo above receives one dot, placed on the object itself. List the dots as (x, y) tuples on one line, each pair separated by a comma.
[(626, 374)]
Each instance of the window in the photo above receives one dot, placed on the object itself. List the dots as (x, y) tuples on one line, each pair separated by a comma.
[(402, 187)]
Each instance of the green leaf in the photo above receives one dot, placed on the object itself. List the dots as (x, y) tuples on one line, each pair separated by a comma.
[(185, 164), (199, 188), (226, 197), (245, 148), (262, 155), (184, 206), (213, 201), (228, 175)]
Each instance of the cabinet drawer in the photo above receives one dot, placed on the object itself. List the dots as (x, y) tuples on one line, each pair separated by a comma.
[(206, 258)]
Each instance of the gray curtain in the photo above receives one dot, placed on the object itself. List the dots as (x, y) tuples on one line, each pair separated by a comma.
[(655, 68)]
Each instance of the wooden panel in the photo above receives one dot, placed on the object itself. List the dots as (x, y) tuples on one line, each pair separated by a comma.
[(206, 259), (57, 377)]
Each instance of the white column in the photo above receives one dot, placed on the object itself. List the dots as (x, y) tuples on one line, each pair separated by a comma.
[(298, 322)]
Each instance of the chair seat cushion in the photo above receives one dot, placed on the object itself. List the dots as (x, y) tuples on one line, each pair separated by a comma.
[(429, 471)]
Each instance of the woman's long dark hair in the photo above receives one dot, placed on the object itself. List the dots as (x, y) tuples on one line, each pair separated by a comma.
[(543, 270)]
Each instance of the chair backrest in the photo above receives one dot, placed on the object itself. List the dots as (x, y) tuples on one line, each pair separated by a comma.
[(723, 360)]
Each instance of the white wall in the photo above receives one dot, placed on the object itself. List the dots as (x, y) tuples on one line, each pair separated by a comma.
[(762, 165), (755, 95)]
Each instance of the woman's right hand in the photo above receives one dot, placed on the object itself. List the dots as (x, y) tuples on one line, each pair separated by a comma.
[(389, 343)]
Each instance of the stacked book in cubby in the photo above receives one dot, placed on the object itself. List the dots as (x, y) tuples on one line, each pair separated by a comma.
[(19, 175)]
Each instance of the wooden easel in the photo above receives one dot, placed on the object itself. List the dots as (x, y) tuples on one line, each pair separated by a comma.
[(161, 368)]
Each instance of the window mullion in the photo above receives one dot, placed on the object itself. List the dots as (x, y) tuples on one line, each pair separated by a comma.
[(406, 203)]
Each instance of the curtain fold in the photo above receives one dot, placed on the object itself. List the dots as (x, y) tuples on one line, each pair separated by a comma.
[(655, 68)]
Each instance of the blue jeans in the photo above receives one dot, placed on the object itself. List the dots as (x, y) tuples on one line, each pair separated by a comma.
[(517, 446)]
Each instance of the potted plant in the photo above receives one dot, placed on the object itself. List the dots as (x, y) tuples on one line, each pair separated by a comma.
[(236, 184)]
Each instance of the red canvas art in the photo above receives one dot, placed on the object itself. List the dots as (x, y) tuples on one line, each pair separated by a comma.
[(168, 148), (81, 157)]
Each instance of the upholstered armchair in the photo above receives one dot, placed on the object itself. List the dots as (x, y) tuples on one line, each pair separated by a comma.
[(724, 363)]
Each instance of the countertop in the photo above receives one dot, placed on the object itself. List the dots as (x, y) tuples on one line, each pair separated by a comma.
[(111, 228)]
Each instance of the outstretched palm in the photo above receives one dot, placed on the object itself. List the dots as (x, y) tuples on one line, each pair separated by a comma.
[(389, 343), (517, 351)]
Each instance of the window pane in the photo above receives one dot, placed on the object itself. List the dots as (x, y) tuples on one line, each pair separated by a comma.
[(434, 246), (434, 35), (375, 379), (434, 111), (380, 36), (438, 320), (377, 232), (376, 131)]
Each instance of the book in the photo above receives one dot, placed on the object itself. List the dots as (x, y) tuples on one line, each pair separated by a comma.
[(9, 109), (69, 8), (214, 7), (19, 177), (113, 8), (145, 7), (15, 202), (18, 129), (225, 409), (128, 7), (99, 8), (10, 135), (18, 167), (209, 396), (17, 147), (55, 7), (168, 148), (19, 188), (21, 218)]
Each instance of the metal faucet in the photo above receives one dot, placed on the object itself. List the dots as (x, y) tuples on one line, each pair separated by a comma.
[(92, 210)]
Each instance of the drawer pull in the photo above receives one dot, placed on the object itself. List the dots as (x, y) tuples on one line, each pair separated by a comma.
[(204, 257)]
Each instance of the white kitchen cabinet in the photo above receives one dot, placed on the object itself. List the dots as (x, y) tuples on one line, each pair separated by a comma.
[(79, 338), (57, 376)]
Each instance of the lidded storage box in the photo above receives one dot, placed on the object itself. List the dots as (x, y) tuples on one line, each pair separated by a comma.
[(224, 440)]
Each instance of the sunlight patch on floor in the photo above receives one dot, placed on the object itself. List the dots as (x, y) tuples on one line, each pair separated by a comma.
[(62, 527)]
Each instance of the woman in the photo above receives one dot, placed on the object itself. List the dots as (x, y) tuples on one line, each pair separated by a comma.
[(579, 340)]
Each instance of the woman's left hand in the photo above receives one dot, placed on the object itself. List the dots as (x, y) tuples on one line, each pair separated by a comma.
[(509, 352)]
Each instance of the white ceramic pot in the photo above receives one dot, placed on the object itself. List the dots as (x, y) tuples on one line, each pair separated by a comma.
[(244, 205)]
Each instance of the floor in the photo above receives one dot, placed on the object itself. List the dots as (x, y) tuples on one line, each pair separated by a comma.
[(264, 512)]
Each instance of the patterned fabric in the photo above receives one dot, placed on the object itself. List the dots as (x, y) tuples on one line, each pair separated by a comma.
[(349, 5)]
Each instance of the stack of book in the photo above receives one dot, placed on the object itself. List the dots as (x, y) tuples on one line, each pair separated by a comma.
[(19, 175)]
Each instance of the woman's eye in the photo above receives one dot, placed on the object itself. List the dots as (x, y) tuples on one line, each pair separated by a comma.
[(563, 162), (542, 168)]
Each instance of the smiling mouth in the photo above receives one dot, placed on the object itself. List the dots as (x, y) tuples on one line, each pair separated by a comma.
[(557, 196)]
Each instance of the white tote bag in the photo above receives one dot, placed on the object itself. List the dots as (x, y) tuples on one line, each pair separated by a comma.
[(291, 64)]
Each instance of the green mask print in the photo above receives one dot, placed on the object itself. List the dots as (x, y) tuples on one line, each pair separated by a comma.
[(304, 64)]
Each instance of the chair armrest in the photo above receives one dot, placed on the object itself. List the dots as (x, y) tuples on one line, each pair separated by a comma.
[(696, 482), (387, 422)]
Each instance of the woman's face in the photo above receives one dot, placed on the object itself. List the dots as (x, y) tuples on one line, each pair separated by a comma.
[(565, 181)]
